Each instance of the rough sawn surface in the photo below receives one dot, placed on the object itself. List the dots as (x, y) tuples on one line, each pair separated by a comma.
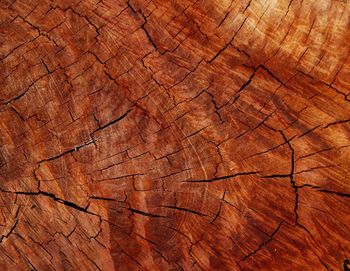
[(174, 135)]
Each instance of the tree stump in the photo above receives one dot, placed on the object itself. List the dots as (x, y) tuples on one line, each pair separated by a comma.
[(175, 135)]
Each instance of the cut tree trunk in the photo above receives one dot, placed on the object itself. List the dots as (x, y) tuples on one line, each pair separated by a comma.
[(175, 135)]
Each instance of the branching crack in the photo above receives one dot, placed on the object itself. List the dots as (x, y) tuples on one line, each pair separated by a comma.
[(13, 227), (224, 177), (223, 49), (264, 243), (144, 213), (291, 175), (183, 210), (320, 189), (91, 141), (59, 200), (113, 121)]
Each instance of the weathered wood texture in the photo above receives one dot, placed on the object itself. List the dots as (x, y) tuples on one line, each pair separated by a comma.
[(174, 135)]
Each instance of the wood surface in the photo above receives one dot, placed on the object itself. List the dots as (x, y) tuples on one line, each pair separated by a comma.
[(174, 135)]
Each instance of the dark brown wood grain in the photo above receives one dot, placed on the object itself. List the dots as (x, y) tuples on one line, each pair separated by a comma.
[(174, 135)]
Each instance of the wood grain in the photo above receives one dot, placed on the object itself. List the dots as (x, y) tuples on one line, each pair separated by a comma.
[(174, 135)]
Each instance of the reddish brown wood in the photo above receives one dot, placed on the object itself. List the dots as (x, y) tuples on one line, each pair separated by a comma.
[(174, 135)]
